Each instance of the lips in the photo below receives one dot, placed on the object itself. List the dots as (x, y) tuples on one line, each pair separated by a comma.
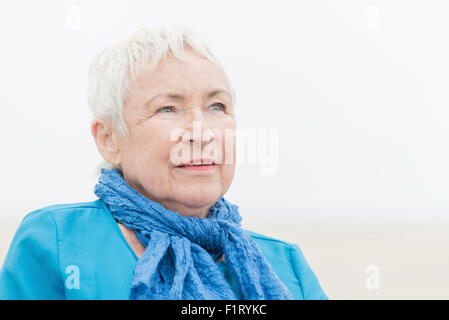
[(198, 163)]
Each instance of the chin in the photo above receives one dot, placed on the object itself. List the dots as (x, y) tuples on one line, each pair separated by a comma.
[(201, 198)]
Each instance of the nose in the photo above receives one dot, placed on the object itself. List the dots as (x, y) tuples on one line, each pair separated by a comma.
[(198, 128)]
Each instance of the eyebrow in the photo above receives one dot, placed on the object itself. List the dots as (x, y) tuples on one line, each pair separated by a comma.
[(180, 97)]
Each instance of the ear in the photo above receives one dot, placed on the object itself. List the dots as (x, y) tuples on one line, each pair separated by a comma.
[(107, 140)]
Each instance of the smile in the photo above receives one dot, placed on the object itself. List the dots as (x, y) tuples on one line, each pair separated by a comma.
[(199, 165)]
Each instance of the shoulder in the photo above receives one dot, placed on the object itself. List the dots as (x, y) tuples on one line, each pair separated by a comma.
[(272, 246), (42, 230), (276, 250), (291, 266), (63, 208), (52, 238), (34, 253), (57, 215), (269, 240)]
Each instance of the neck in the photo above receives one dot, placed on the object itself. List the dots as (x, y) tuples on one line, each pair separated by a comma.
[(183, 210), (186, 211)]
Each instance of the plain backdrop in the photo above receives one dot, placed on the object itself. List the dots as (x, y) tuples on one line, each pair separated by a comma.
[(358, 91)]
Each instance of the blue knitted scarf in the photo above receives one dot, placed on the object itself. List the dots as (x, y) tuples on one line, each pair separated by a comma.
[(179, 259)]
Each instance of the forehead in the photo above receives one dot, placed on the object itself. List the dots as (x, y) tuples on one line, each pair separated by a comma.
[(193, 73)]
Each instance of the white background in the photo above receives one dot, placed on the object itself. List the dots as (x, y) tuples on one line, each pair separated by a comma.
[(357, 89)]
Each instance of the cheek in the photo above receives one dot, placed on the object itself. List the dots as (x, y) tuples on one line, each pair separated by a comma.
[(227, 175), (153, 146), (228, 149), (227, 142)]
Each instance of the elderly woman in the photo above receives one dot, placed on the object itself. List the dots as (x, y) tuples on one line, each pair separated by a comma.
[(160, 228)]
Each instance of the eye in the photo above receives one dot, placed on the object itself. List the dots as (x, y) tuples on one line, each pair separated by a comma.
[(218, 106), (166, 109)]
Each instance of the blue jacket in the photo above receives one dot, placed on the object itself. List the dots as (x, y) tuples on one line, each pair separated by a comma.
[(77, 251)]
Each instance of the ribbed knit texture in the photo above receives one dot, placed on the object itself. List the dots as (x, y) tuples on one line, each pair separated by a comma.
[(180, 252)]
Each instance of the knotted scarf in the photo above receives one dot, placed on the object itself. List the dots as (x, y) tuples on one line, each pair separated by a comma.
[(180, 251)]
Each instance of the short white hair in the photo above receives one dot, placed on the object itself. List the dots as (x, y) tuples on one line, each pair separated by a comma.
[(114, 68)]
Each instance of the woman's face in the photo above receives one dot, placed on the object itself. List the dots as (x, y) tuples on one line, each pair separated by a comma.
[(179, 113)]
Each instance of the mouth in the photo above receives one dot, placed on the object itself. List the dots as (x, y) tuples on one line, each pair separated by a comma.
[(198, 164)]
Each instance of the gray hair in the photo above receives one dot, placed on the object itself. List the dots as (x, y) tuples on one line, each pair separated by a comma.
[(114, 68)]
